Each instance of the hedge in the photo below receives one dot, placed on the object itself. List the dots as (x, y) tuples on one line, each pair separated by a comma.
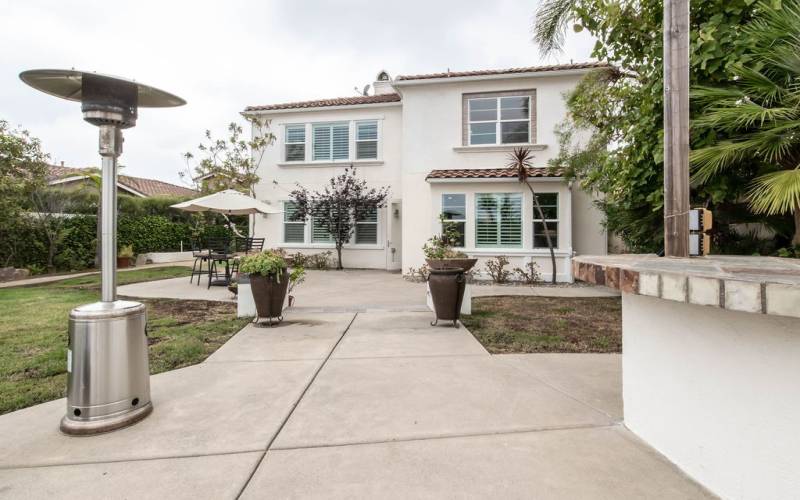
[(146, 233)]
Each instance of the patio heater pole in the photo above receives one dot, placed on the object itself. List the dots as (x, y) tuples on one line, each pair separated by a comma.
[(676, 128), (110, 149), (108, 367)]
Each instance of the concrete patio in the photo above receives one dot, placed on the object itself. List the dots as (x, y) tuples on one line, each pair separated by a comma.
[(343, 405), (353, 290)]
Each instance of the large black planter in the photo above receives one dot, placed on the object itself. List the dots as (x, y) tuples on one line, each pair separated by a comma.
[(447, 291), (269, 295)]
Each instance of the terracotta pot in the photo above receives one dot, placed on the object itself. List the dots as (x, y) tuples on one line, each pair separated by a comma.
[(269, 294), (123, 262), (464, 263), (447, 290)]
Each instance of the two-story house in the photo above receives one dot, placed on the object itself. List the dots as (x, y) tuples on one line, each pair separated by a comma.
[(441, 143)]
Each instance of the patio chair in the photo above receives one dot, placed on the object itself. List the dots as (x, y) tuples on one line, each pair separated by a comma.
[(218, 251), (200, 255), (245, 246)]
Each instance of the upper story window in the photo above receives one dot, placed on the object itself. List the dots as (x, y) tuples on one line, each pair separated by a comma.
[(549, 204), (498, 118), (331, 141), (295, 142), (367, 140), (454, 213)]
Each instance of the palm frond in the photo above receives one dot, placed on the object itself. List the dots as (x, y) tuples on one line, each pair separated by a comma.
[(776, 192), (550, 25)]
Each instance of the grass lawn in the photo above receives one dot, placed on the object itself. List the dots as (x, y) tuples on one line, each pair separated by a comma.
[(546, 324), (33, 332)]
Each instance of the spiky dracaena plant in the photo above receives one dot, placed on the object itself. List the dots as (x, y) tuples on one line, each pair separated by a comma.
[(520, 160), (760, 114)]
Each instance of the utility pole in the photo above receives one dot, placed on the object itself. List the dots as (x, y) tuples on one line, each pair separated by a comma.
[(676, 128)]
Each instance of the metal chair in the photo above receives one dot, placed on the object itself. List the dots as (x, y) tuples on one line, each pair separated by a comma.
[(200, 255), (245, 246), (218, 251)]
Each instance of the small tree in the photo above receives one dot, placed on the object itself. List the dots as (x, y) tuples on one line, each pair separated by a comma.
[(52, 208), (345, 200), (23, 168), (230, 163), (520, 161)]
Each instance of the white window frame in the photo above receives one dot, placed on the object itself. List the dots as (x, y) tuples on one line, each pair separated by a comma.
[(377, 139), (286, 128), (331, 125), (364, 223), (285, 222), (556, 220), (498, 215), (464, 220), (498, 138), (308, 234)]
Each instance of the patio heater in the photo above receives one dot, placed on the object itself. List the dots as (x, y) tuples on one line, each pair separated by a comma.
[(107, 359)]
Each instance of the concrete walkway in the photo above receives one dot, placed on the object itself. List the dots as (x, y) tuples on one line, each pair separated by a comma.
[(354, 405), (38, 280)]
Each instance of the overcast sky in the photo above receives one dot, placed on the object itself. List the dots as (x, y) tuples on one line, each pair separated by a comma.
[(224, 55)]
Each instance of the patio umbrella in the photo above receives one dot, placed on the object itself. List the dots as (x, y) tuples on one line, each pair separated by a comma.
[(227, 202)]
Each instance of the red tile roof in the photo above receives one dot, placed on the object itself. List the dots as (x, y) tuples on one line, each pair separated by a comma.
[(324, 103), (147, 187), (485, 72), (491, 173)]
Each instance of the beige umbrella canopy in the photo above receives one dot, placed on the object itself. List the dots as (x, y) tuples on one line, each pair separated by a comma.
[(228, 202)]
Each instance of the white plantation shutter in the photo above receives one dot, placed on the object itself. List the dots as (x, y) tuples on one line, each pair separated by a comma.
[(341, 141), (367, 140), (498, 220), (295, 142), (367, 228), (322, 142), (331, 141), (293, 231), (319, 231)]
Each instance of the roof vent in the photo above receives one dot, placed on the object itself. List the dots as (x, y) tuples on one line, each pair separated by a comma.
[(383, 76)]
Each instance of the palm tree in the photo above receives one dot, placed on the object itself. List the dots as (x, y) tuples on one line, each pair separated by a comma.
[(520, 161), (758, 114)]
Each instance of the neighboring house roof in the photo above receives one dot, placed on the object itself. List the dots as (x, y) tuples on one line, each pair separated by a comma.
[(491, 173), (508, 71), (323, 103), (145, 188)]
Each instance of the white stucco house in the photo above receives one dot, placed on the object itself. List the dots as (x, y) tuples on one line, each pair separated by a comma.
[(440, 142)]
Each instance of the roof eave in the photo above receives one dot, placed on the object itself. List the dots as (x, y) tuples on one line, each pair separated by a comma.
[(450, 180), (499, 76), (319, 108)]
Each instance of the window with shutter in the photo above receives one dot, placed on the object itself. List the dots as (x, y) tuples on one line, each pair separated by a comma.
[(295, 142), (331, 141), (498, 220), (549, 204), (293, 231), (367, 140), (319, 231), (367, 227)]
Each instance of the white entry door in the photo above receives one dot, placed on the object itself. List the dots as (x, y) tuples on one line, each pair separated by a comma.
[(394, 242)]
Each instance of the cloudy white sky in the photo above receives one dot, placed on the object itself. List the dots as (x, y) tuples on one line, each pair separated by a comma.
[(224, 55)]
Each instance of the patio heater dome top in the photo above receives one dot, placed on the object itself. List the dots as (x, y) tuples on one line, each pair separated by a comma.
[(104, 99)]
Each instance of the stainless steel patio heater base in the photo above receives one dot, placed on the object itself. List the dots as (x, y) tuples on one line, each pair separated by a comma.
[(109, 372), (108, 383)]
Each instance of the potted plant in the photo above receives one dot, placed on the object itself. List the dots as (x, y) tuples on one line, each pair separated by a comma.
[(269, 282), (439, 251), (125, 256), (446, 279)]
